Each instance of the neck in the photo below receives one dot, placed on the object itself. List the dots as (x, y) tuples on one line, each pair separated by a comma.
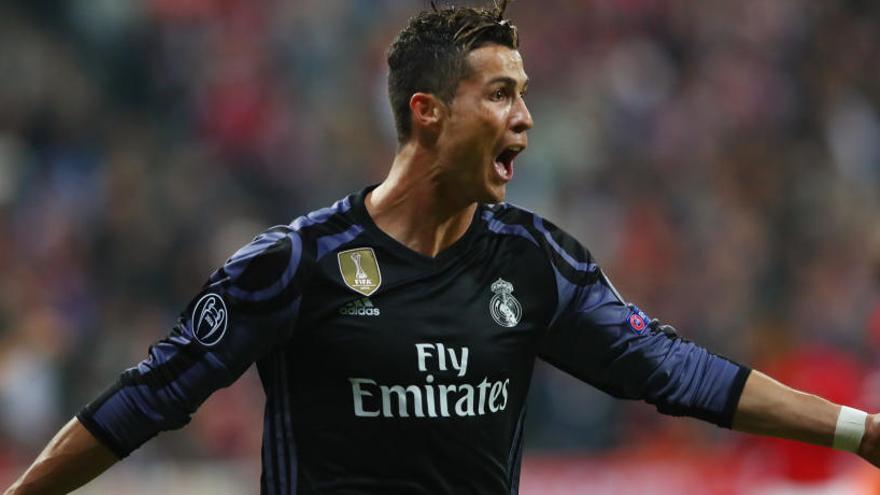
[(416, 207)]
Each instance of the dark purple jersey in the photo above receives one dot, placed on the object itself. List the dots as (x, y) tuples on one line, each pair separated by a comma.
[(387, 371)]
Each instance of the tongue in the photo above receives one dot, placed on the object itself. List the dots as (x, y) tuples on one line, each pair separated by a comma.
[(504, 169)]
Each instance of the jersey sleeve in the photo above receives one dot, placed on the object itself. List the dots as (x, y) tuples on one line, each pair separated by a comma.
[(246, 309), (598, 338)]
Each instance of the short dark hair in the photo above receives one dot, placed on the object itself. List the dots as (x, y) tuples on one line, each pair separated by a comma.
[(429, 54)]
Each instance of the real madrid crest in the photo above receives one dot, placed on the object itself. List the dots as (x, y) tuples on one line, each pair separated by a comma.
[(504, 308), (360, 270)]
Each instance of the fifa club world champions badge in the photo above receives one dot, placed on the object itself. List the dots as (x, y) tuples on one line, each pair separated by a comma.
[(504, 308), (360, 270)]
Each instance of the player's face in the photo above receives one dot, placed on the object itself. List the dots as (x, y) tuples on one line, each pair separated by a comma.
[(487, 123)]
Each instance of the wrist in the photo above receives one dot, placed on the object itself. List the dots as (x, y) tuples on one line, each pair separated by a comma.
[(850, 429)]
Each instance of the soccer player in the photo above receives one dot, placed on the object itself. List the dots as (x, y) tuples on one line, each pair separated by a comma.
[(395, 332)]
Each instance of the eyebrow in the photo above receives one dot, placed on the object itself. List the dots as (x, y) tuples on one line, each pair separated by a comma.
[(507, 80)]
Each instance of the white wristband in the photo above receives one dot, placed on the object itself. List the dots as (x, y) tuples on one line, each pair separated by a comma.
[(850, 429)]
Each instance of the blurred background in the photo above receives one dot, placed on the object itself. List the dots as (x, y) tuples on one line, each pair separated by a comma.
[(720, 158)]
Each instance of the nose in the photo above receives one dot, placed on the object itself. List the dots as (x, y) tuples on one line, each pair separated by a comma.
[(521, 119)]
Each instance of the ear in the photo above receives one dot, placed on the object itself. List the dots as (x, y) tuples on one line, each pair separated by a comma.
[(427, 110)]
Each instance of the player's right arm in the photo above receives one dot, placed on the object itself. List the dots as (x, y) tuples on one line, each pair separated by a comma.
[(70, 460), (245, 311)]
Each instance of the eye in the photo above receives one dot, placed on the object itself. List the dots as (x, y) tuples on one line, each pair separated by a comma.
[(499, 94)]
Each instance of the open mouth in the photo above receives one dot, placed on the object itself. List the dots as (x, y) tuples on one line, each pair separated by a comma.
[(504, 162)]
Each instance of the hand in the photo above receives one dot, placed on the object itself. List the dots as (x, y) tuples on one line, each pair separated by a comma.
[(870, 446)]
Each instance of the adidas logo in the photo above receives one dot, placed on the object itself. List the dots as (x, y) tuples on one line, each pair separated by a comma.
[(359, 307)]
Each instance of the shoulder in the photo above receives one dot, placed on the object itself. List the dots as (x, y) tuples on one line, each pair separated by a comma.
[(567, 255), (329, 220), (281, 252)]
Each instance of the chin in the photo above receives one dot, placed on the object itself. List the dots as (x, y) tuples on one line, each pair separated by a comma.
[(493, 194)]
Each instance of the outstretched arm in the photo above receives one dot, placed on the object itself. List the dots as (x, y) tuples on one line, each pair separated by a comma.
[(767, 407), (245, 310), (70, 460)]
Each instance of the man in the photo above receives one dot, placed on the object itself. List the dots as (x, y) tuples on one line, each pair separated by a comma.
[(395, 332)]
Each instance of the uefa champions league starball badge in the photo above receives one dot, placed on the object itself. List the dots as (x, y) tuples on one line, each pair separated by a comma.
[(209, 319), (504, 308)]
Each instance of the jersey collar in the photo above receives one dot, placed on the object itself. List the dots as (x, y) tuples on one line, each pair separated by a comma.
[(460, 246)]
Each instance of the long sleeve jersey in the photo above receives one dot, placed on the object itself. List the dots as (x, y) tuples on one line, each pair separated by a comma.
[(387, 371)]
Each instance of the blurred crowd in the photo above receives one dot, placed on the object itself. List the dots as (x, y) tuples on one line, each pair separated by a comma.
[(721, 159)]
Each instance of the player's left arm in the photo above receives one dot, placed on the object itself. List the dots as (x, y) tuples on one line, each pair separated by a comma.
[(619, 349), (596, 336), (767, 407)]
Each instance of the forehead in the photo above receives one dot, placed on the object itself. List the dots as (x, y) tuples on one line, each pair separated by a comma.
[(492, 61)]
